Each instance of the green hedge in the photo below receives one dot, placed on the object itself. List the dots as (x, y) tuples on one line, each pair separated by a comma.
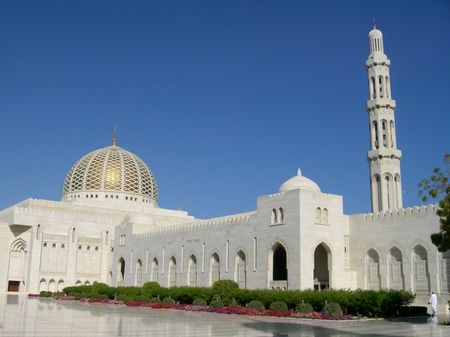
[(354, 302)]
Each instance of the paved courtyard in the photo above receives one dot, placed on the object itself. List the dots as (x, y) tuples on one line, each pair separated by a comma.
[(20, 316)]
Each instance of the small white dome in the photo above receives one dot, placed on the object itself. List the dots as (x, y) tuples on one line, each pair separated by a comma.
[(299, 182), (375, 34)]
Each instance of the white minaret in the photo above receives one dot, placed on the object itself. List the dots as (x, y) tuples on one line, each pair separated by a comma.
[(383, 156)]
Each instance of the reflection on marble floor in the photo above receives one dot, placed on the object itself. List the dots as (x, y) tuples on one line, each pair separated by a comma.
[(20, 316)]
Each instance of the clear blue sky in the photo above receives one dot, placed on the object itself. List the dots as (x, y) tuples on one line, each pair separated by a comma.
[(222, 99)]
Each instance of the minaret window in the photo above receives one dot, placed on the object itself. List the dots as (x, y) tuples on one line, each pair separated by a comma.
[(392, 129), (374, 92), (375, 127), (387, 86), (383, 126), (380, 85)]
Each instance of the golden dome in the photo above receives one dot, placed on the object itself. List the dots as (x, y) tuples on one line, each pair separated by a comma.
[(111, 173)]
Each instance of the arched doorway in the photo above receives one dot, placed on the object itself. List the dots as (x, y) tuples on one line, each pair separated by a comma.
[(192, 271), (138, 276), (214, 267), (172, 272), (240, 274), (17, 266), (278, 273), (322, 267), (120, 272)]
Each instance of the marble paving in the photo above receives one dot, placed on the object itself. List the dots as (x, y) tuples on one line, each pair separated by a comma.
[(20, 316)]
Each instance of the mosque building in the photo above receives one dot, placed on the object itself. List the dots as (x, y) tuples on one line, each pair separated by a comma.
[(109, 228)]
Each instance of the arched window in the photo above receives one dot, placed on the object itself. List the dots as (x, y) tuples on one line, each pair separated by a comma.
[(281, 215), (60, 285), (192, 271), (318, 214), (138, 277), (120, 272), (380, 83), (398, 190), (375, 134), (279, 272), (43, 285), (240, 270), (384, 132), (374, 91), (274, 216), (396, 277), (373, 270), (388, 87), (52, 286), (172, 272), (376, 193), (154, 275), (325, 216), (214, 267)]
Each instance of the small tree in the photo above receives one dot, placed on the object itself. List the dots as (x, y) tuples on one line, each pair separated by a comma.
[(437, 187)]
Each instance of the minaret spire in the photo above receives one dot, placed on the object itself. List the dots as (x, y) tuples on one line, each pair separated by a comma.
[(383, 156), (114, 142)]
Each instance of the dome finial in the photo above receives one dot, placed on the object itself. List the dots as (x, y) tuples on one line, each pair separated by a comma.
[(374, 23), (115, 136), (299, 172)]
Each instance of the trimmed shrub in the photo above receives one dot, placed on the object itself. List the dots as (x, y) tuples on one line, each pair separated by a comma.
[(154, 300), (233, 303), (332, 309), (216, 303), (169, 301), (304, 307), (199, 301), (255, 304), (225, 290), (44, 293), (278, 306)]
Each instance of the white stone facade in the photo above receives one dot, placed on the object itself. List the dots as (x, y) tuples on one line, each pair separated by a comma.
[(109, 228)]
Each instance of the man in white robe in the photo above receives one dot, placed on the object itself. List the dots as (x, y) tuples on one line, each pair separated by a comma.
[(433, 302)]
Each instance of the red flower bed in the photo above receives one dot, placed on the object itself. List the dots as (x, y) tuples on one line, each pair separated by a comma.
[(33, 295), (239, 311), (100, 300), (64, 298)]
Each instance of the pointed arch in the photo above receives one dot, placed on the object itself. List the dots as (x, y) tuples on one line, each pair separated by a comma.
[(138, 273), (318, 214), (43, 285), (325, 216), (154, 270), (17, 269), (214, 268), (120, 278), (396, 275), (60, 286), (52, 286), (172, 272), (281, 215), (192, 271), (420, 270), (322, 266), (274, 216), (240, 269), (373, 270), (279, 263)]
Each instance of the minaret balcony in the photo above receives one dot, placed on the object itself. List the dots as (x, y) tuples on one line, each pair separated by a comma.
[(384, 152), (378, 102)]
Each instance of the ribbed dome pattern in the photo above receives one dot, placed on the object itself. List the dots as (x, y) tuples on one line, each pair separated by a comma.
[(111, 169)]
